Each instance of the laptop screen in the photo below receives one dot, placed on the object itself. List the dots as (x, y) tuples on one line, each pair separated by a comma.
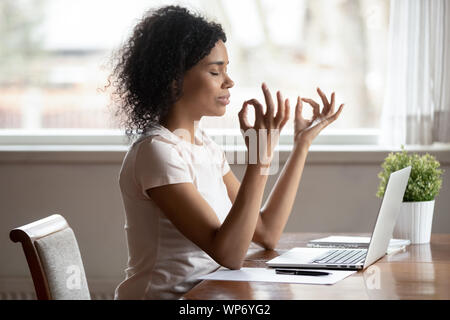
[(387, 215)]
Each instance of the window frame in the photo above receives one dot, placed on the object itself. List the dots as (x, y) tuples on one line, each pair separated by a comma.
[(332, 147), (116, 137)]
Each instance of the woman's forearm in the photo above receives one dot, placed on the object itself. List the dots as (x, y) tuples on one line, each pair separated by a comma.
[(234, 236), (278, 206)]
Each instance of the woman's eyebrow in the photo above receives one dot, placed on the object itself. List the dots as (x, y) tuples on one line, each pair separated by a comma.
[(220, 63)]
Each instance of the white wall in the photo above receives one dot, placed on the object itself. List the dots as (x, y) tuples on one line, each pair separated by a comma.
[(336, 194)]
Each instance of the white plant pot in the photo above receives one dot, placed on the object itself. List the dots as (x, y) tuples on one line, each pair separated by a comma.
[(414, 221)]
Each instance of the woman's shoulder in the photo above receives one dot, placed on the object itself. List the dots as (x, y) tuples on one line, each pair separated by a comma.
[(155, 134), (209, 142), (162, 141), (153, 147)]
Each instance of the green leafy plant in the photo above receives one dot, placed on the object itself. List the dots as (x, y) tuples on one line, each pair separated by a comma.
[(424, 181)]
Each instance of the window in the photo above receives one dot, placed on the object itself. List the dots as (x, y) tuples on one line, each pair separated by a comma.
[(53, 57)]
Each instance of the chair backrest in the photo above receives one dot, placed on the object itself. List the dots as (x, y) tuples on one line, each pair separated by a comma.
[(54, 259)]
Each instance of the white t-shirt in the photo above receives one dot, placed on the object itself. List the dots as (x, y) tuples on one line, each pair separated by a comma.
[(162, 263)]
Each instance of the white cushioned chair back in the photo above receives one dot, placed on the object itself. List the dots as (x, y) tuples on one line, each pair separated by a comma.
[(61, 260)]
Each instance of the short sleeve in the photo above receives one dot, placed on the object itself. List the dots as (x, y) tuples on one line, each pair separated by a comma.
[(159, 163)]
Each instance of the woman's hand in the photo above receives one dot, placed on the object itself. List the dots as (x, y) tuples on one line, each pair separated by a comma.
[(306, 130), (267, 127)]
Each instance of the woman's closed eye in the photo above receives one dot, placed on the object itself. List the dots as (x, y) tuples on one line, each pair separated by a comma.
[(216, 73)]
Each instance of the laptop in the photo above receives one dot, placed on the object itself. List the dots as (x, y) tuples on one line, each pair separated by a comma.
[(354, 259)]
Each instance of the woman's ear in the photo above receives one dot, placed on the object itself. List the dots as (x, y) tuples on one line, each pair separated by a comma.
[(175, 89)]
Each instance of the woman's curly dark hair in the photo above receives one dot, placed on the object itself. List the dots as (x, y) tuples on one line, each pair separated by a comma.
[(147, 73)]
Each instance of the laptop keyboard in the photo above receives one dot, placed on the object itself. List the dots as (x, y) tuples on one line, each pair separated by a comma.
[(342, 257)]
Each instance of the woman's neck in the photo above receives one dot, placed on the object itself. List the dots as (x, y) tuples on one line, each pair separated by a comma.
[(183, 128)]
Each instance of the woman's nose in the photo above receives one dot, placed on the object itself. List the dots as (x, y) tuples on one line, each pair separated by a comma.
[(228, 82)]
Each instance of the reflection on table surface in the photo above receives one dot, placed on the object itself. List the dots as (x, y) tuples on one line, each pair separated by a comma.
[(417, 272)]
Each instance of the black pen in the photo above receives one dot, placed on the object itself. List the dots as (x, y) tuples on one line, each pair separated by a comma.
[(301, 272)]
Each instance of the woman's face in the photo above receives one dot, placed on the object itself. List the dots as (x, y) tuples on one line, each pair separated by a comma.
[(206, 85)]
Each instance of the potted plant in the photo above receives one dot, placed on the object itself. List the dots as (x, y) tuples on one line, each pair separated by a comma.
[(416, 212)]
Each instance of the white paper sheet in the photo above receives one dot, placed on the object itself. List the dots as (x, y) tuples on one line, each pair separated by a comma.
[(269, 275)]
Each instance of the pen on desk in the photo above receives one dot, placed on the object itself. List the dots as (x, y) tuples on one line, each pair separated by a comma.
[(301, 272)]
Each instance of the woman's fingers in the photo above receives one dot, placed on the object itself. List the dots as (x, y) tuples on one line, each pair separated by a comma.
[(287, 110), (331, 111), (315, 106), (328, 108), (298, 108), (281, 109), (336, 115), (259, 112), (270, 110), (242, 115), (269, 102), (326, 121), (326, 105)]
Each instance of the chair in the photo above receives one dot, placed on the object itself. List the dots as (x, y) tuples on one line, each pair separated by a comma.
[(54, 259)]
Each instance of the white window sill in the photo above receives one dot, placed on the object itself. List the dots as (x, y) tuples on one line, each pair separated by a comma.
[(85, 137), (110, 146), (352, 154)]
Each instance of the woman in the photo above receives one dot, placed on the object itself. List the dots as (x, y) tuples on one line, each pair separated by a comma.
[(186, 213)]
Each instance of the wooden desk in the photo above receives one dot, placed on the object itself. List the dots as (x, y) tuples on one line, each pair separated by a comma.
[(418, 272)]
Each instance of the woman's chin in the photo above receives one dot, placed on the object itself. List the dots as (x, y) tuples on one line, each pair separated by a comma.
[(223, 110), (220, 110)]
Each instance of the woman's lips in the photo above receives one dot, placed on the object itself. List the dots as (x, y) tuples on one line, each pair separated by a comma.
[(224, 100)]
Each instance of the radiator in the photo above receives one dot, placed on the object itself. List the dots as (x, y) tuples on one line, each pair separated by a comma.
[(23, 289)]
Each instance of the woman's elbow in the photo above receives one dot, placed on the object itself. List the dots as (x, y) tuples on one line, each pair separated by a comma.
[(236, 266), (231, 264), (265, 240), (268, 244), (229, 261)]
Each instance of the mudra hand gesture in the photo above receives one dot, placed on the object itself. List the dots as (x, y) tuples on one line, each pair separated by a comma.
[(267, 125), (306, 130)]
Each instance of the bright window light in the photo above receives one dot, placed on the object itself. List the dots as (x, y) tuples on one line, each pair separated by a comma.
[(54, 54)]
